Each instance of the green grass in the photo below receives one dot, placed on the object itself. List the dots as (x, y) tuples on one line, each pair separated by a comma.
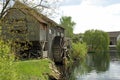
[(22, 70), (33, 69)]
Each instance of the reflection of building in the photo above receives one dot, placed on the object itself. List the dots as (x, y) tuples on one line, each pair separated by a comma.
[(114, 36)]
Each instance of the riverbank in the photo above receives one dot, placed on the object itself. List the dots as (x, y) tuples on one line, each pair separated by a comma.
[(43, 69)]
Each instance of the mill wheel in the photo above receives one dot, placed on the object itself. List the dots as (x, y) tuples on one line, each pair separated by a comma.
[(57, 49)]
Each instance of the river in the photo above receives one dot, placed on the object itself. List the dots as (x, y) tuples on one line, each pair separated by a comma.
[(98, 66), (113, 73)]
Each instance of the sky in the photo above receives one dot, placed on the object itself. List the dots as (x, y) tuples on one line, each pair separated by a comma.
[(92, 14)]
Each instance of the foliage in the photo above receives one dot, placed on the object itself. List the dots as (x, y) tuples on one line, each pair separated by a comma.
[(22, 70), (77, 38), (118, 45), (7, 68), (68, 24), (96, 40), (79, 50), (16, 36), (34, 69)]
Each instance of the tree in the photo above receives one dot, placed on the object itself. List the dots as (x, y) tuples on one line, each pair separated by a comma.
[(68, 24), (96, 40), (77, 38), (46, 6)]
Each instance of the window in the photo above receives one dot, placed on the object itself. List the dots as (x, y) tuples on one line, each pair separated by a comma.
[(50, 32)]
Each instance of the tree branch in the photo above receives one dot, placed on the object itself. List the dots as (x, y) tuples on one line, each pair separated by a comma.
[(40, 4), (4, 8)]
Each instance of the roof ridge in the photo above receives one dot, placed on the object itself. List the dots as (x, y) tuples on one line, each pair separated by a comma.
[(34, 12)]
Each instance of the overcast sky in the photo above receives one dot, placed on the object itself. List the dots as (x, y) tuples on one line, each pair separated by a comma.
[(93, 14)]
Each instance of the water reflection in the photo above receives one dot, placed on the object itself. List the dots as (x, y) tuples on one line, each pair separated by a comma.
[(100, 61), (97, 66), (67, 72), (111, 74), (96, 63)]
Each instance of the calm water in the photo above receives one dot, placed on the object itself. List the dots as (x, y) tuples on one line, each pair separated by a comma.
[(101, 66), (113, 73)]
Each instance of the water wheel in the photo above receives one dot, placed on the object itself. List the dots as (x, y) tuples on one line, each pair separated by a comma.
[(57, 49)]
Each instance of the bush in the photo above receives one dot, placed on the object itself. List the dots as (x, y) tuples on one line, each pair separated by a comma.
[(79, 50), (7, 68)]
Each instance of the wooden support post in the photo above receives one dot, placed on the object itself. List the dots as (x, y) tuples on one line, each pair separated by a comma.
[(43, 43)]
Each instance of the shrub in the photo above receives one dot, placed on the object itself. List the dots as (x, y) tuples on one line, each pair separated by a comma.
[(7, 68), (79, 50)]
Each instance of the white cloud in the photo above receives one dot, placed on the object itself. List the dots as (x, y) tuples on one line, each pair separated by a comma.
[(89, 16)]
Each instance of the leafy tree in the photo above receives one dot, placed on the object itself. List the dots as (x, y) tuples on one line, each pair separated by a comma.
[(68, 24), (77, 38), (96, 40)]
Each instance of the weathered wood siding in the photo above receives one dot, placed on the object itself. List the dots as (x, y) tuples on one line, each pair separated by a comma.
[(18, 20), (43, 32), (33, 28), (14, 21)]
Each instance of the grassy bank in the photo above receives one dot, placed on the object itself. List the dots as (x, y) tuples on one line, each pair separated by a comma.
[(42, 69), (35, 69)]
